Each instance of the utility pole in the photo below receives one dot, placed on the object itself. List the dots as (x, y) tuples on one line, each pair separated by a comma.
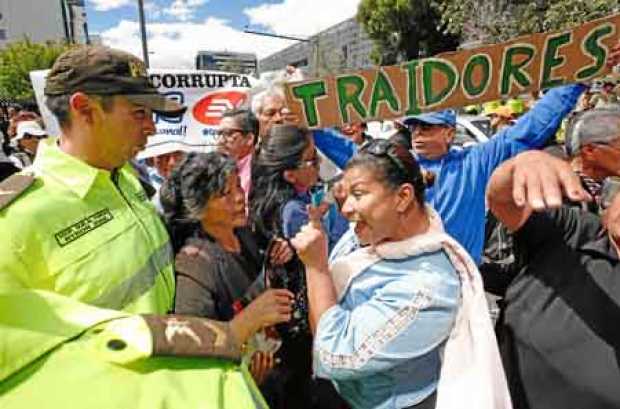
[(145, 50)]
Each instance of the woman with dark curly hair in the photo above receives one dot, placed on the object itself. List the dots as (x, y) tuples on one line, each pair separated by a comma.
[(217, 262), (284, 171)]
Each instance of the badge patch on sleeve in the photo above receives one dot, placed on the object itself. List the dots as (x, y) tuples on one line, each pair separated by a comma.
[(82, 227)]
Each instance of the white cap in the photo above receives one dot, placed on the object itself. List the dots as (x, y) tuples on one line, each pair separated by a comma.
[(28, 128)]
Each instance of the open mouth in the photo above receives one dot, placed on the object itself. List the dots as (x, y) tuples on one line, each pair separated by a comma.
[(360, 227)]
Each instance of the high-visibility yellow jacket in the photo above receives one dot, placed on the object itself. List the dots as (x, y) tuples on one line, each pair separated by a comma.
[(82, 251)]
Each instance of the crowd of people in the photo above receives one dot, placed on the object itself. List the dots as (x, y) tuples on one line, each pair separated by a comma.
[(296, 268)]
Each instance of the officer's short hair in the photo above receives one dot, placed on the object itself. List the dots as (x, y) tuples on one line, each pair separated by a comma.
[(59, 106)]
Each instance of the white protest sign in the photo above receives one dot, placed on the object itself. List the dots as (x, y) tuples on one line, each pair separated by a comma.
[(207, 95)]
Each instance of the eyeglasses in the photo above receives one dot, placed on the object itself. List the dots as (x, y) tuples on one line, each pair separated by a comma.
[(423, 127), (228, 134), (270, 113)]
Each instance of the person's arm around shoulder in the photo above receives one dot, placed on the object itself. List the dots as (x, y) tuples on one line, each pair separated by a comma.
[(532, 181)]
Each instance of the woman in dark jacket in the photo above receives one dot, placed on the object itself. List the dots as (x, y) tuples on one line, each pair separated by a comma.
[(217, 261)]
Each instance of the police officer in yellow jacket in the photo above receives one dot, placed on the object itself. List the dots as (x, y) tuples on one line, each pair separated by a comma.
[(86, 267)]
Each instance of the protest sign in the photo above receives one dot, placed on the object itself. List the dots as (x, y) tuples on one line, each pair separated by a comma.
[(207, 95), (529, 63)]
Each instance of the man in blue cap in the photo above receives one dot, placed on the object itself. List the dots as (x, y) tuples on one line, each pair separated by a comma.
[(461, 176)]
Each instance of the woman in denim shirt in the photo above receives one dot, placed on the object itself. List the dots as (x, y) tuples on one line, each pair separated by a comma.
[(384, 317)]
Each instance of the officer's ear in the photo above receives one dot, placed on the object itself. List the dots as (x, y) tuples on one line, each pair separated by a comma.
[(81, 105)]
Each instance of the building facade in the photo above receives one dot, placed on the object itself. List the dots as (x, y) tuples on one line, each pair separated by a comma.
[(241, 63), (43, 20), (344, 46)]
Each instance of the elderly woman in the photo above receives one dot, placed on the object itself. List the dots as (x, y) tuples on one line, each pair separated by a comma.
[(217, 262), (401, 322)]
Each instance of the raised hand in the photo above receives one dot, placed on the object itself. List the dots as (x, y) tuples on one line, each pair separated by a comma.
[(311, 241), (531, 181)]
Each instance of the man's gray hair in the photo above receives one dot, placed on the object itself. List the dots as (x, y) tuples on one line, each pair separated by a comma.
[(599, 125), (258, 100)]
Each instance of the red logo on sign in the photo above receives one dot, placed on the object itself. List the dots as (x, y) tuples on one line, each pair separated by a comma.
[(209, 110)]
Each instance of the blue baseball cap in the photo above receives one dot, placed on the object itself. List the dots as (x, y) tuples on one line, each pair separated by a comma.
[(445, 118)]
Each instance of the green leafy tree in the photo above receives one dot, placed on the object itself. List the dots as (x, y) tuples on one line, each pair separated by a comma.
[(403, 29), (569, 13), (16, 62), (493, 21)]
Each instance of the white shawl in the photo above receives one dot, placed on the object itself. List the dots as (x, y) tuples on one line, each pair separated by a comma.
[(472, 375)]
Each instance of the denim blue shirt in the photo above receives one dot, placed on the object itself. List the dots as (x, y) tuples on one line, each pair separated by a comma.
[(381, 343), (458, 194), (295, 216)]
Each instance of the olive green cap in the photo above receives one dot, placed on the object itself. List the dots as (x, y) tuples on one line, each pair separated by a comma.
[(102, 70)]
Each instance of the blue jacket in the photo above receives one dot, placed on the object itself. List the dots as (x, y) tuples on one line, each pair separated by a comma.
[(461, 176), (381, 344)]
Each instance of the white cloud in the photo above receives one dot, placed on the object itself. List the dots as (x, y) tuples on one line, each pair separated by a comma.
[(302, 17), (183, 10), (153, 11), (175, 45), (105, 5)]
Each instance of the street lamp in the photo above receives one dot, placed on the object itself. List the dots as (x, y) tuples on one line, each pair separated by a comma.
[(315, 44), (261, 33)]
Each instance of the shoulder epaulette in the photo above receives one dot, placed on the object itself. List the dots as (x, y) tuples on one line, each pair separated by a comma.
[(13, 186)]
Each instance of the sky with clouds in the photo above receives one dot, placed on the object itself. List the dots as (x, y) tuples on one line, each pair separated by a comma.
[(178, 29)]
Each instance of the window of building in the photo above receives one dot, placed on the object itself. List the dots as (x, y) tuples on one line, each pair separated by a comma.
[(3, 35)]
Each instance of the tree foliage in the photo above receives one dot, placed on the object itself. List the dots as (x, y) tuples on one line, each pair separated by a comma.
[(568, 13), (403, 29), (16, 62), (492, 21)]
